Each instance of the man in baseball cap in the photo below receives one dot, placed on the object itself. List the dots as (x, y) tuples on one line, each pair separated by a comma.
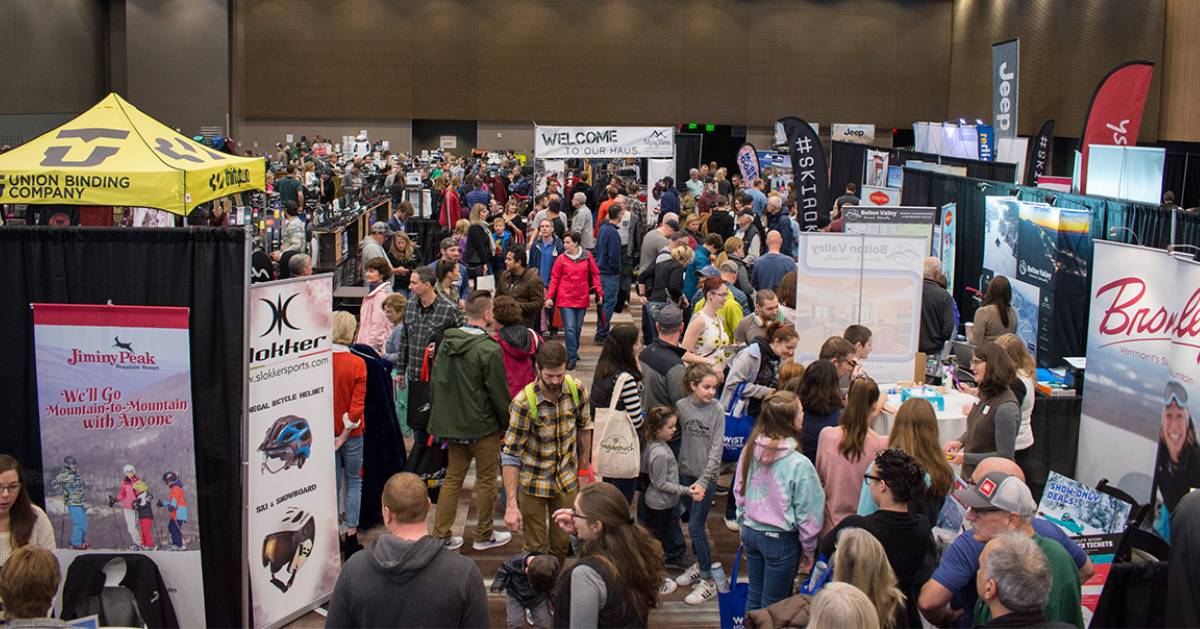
[(996, 504)]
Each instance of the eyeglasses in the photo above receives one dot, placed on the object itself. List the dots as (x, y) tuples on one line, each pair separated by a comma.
[(576, 514), (1174, 393), (10, 489), (867, 478)]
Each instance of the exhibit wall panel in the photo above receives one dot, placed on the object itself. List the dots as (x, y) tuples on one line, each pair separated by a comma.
[(502, 136), (1066, 49), (266, 133), (51, 66), (580, 62), (1181, 64)]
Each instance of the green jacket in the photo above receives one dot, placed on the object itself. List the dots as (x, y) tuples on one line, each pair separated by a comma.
[(470, 390)]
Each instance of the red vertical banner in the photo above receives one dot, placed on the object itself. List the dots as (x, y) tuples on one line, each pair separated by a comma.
[(1115, 113)]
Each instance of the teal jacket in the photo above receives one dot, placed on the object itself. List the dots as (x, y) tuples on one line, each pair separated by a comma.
[(470, 390)]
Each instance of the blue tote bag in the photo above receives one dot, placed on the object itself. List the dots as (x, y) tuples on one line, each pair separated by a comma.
[(738, 425)]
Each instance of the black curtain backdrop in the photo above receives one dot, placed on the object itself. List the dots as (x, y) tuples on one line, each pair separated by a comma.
[(848, 159), (1108, 216), (199, 268), (846, 164), (687, 156)]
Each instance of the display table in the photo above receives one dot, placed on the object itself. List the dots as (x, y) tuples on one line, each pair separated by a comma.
[(952, 423), (1055, 425)]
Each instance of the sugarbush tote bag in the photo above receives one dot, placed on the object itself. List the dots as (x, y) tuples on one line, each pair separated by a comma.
[(615, 449)]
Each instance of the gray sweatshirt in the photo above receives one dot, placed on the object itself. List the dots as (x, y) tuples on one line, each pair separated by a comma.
[(658, 463), (703, 437)]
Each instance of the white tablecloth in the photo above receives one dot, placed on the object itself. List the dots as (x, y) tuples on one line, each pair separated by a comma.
[(951, 422)]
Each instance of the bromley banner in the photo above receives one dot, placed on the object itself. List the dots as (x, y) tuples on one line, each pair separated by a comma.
[(569, 142), (292, 496), (115, 403), (1115, 113), (1143, 376)]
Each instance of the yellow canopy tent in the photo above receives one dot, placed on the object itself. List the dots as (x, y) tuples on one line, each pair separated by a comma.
[(113, 154)]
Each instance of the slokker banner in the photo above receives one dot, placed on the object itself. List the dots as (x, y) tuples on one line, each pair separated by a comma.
[(1039, 153), (747, 159), (809, 173), (1006, 60), (570, 142), (292, 495), (1115, 113), (115, 404)]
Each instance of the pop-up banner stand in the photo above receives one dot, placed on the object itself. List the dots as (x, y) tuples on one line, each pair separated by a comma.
[(843, 279)]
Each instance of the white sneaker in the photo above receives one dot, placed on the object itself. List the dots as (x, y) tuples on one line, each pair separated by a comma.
[(453, 542), (704, 591), (689, 576), (499, 538), (667, 587), (528, 617), (732, 525)]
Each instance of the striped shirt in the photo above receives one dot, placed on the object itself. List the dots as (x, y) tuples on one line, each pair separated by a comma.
[(629, 398)]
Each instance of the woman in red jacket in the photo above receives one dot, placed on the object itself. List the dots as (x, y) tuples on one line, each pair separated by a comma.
[(349, 395), (451, 209), (573, 277)]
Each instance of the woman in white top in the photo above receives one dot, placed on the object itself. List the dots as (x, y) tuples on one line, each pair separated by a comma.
[(1026, 373), (21, 521), (706, 339)]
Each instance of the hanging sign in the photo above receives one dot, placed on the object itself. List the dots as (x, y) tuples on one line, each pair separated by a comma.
[(569, 142)]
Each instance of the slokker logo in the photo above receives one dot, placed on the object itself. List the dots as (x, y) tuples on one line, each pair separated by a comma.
[(279, 314)]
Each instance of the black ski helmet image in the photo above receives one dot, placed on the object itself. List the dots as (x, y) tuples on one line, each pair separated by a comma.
[(288, 439), (285, 551)]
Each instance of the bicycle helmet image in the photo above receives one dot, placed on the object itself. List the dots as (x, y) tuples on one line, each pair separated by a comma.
[(288, 439), (285, 551)]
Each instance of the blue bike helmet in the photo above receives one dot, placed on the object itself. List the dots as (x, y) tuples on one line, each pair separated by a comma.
[(288, 439)]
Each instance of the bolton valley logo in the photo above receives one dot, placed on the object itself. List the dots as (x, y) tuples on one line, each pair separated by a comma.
[(279, 314)]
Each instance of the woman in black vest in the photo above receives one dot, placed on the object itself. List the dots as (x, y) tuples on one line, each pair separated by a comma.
[(993, 421), (620, 564)]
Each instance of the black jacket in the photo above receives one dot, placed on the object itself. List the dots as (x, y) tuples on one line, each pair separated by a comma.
[(937, 318), (383, 446), (1033, 620), (511, 579), (479, 247), (662, 374), (721, 222), (664, 281), (85, 580)]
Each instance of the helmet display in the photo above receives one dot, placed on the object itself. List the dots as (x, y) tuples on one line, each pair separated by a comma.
[(289, 439), (285, 551), (129, 470), (170, 478)]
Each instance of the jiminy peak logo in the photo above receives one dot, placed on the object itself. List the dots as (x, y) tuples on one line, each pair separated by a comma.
[(126, 357)]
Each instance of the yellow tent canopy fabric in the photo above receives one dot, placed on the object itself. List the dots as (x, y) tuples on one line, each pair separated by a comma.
[(113, 154)]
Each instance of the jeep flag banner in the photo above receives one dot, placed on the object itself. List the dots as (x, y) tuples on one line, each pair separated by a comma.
[(570, 142), (1115, 113), (747, 160), (115, 406), (1039, 154), (292, 532), (809, 173), (1006, 59), (1142, 382), (115, 155)]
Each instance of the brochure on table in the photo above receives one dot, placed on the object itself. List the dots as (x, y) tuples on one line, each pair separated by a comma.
[(875, 281)]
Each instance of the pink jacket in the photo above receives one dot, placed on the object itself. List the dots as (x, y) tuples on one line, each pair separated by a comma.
[(570, 281), (127, 494), (842, 478), (373, 325)]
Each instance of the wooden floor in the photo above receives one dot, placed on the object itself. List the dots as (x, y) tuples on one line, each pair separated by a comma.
[(673, 612)]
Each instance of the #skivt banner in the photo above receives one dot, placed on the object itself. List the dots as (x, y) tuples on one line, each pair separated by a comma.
[(1115, 114), (1039, 154), (1141, 382), (115, 406), (292, 496), (747, 160), (810, 175), (1006, 60)]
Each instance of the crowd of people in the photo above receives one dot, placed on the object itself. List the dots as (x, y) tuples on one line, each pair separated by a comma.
[(724, 416)]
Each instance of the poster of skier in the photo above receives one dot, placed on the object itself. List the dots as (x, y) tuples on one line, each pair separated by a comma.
[(115, 407)]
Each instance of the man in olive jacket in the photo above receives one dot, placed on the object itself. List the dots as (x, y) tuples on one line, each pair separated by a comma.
[(470, 411), (522, 284)]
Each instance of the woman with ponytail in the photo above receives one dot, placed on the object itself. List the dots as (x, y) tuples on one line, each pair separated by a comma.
[(615, 579)]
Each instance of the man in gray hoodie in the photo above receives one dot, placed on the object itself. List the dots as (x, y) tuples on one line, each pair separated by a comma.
[(407, 578)]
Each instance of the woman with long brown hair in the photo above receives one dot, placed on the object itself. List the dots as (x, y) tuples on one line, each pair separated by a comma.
[(615, 579), (915, 432), (992, 422), (845, 451), (21, 522), (996, 315), (1024, 387)]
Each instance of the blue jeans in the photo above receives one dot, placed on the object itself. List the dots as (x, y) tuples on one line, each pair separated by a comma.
[(79, 524), (572, 326), (697, 519), (664, 524), (772, 559), (627, 486), (612, 287), (349, 478)]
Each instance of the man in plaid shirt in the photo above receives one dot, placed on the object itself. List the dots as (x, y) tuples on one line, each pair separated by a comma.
[(539, 452), (427, 316)]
